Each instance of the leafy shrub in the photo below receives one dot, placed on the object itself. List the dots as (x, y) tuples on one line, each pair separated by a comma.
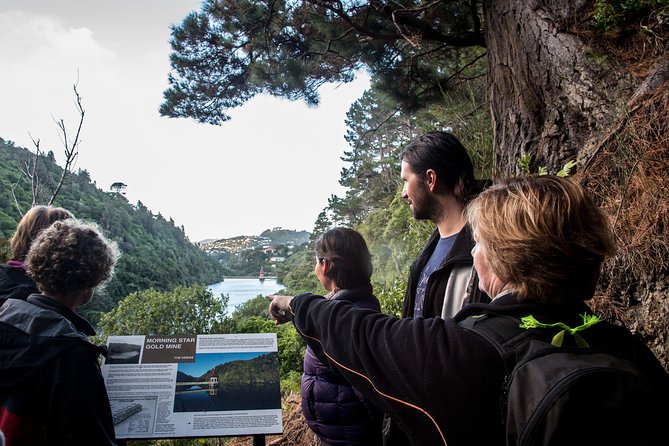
[(613, 14)]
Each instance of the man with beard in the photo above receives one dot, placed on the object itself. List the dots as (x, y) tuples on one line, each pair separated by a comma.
[(438, 181)]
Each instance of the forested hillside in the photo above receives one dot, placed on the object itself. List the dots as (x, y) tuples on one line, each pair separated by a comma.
[(155, 253), (260, 370)]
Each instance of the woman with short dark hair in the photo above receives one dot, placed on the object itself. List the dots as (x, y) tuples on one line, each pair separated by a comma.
[(333, 409), (51, 388)]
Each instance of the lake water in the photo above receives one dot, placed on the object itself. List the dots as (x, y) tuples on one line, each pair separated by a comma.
[(237, 397), (242, 289)]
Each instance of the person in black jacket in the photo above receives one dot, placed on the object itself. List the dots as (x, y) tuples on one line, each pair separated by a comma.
[(439, 181), (51, 388), (14, 282), (540, 243)]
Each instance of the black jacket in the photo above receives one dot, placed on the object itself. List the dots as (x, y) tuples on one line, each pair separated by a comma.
[(440, 382), (459, 256), (15, 283), (459, 261), (51, 389)]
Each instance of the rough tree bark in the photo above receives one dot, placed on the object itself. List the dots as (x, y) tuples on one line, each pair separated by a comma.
[(551, 94)]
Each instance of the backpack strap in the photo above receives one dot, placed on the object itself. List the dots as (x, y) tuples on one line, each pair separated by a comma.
[(503, 332)]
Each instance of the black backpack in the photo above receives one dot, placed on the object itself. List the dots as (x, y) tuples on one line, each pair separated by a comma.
[(559, 394)]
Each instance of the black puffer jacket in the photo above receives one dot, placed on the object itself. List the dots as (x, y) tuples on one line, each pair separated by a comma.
[(51, 389), (333, 409)]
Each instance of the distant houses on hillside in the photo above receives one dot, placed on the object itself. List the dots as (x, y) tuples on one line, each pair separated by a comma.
[(267, 241), (236, 244)]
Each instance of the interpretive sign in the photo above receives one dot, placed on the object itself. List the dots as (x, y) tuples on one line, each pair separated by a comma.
[(193, 385)]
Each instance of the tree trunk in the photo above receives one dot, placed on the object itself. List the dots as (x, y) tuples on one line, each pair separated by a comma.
[(558, 94), (552, 94)]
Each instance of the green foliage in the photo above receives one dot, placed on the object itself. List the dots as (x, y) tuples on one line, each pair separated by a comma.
[(597, 57), (291, 354), (155, 253), (615, 14), (290, 382), (247, 262), (394, 238), (184, 310), (5, 249), (525, 163), (565, 171), (235, 49), (258, 306), (254, 324), (297, 272), (321, 226), (391, 296)]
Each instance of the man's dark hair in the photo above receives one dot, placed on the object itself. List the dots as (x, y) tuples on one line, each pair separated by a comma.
[(445, 154)]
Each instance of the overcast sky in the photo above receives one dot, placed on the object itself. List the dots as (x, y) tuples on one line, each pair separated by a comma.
[(275, 163)]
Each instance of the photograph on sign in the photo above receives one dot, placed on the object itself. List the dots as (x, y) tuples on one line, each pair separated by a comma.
[(127, 352), (228, 381)]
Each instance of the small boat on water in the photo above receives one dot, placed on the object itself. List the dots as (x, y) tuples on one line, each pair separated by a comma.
[(261, 275)]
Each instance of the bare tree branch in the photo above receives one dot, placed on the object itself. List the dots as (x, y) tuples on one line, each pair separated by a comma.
[(71, 150), (376, 128), (16, 201), (329, 46), (30, 171), (415, 30), (29, 168)]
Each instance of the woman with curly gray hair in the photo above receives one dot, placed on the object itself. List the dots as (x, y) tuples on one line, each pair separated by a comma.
[(51, 389)]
